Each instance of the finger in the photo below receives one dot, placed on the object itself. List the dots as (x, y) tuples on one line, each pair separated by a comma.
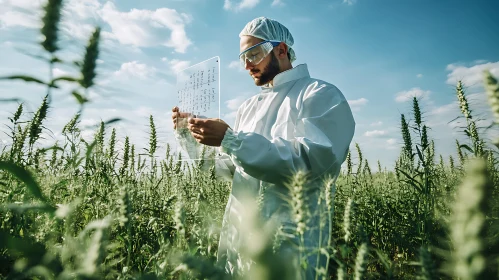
[(199, 130), (197, 121), (197, 136), (193, 127)]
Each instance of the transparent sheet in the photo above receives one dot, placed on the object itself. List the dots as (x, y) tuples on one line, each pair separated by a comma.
[(198, 95)]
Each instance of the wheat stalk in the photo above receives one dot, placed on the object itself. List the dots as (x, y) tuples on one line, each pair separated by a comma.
[(406, 136), (468, 223), (126, 156), (359, 153), (89, 64), (50, 27), (35, 128), (346, 219), (349, 162), (153, 142), (361, 262)]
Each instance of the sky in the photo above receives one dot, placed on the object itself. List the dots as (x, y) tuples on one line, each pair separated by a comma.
[(379, 53)]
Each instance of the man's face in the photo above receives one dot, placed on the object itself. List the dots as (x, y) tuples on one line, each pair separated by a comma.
[(265, 71)]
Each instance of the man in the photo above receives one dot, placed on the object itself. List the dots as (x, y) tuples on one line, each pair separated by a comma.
[(295, 123)]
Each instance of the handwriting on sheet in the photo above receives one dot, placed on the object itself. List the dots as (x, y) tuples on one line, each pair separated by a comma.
[(197, 92)]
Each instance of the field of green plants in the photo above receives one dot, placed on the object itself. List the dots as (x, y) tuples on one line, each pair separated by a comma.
[(88, 210)]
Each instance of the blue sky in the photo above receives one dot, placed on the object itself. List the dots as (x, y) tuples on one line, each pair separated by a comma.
[(378, 53)]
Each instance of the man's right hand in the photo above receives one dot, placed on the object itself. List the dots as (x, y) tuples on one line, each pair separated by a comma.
[(179, 118)]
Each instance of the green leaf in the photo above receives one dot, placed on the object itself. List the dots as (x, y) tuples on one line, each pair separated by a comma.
[(55, 147), (63, 78), (23, 175), (55, 59), (10, 100), (411, 181), (26, 79), (466, 147), (90, 148), (420, 156), (112, 121), (21, 208), (23, 247), (81, 99)]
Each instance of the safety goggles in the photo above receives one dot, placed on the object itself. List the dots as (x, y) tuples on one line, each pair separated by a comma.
[(258, 52)]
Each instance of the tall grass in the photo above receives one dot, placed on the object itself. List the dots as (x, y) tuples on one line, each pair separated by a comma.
[(80, 210)]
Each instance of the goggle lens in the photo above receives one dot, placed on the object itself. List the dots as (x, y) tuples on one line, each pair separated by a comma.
[(257, 53)]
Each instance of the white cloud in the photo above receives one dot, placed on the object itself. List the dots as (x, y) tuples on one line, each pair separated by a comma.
[(144, 111), (16, 18), (135, 69), (419, 75), (144, 28), (235, 64), (349, 2), (23, 4), (358, 102), (233, 104), (57, 72), (178, 65), (391, 141), (77, 30), (471, 76), (277, 3), (24, 13), (407, 95), (241, 5), (374, 133), (377, 123), (83, 9), (137, 28), (444, 114)]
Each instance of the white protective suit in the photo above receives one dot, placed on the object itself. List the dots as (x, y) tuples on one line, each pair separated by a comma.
[(300, 123)]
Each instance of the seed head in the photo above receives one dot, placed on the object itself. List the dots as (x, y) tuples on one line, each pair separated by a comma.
[(50, 25), (469, 225), (359, 153), (36, 124), (90, 60), (349, 162), (492, 88), (153, 142), (463, 103), (406, 136), (416, 111), (361, 262)]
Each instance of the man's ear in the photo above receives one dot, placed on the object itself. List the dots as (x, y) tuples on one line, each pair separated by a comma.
[(282, 50)]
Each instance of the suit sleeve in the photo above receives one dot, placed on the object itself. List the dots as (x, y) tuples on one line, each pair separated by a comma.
[(323, 132)]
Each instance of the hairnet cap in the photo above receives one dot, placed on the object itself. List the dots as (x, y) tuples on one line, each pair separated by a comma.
[(269, 29)]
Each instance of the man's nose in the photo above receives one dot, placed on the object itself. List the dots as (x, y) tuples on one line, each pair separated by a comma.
[(248, 65)]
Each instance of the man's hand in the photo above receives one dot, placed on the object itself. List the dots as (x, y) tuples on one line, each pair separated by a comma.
[(179, 118), (209, 132)]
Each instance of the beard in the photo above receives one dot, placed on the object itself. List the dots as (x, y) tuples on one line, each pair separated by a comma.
[(270, 71)]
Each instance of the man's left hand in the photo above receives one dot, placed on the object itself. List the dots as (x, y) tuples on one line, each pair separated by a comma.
[(209, 132)]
